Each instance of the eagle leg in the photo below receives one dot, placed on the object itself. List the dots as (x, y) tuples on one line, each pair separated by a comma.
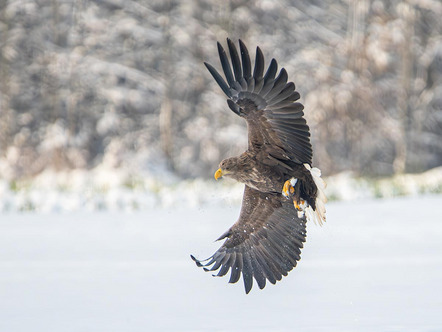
[(299, 204), (288, 190)]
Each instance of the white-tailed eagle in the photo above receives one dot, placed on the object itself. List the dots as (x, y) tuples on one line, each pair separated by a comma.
[(282, 190)]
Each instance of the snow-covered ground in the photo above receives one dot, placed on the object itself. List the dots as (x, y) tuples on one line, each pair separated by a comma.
[(376, 265), (108, 189)]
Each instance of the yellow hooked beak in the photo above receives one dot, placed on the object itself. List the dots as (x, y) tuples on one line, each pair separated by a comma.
[(219, 173)]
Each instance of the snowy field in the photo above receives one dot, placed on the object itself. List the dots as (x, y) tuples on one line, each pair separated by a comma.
[(375, 266)]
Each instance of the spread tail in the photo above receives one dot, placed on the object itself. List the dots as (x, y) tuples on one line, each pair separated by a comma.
[(317, 215)]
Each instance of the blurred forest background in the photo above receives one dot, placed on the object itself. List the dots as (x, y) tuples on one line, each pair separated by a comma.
[(122, 83)]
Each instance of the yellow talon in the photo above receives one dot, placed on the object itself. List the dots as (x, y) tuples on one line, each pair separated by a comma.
[(298, 206), (287, 188)]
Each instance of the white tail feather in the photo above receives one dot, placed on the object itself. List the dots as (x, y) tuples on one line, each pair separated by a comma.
[(317, 216)]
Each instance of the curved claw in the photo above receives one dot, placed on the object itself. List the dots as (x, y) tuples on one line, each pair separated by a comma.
[(299, 205), (288, 189)]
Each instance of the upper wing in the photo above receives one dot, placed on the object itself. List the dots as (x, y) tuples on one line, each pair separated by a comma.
[(275, 121), (265, 242)]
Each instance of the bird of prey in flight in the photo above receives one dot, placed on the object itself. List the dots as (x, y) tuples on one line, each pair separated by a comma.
[(282, 190)]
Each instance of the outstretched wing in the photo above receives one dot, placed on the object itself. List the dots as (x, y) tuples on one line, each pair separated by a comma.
[(265, 243), (268, 103)]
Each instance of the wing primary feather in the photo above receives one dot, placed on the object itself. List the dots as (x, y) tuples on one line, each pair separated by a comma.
[(218, 261), (250, 84), (294, 96), (297, 124), (285, 113), (235, 60), (268, 269), (273, 263), (258, 85), (285, 116), (258, 71), (225, 64), (236, 268), (285, 93), (278, 260), (266, 88), (289, 247), (243, 84), (199, 262), (295, 107), (302, 139), (221, 262), (218, 78), (210, 262), (245, 58), (259, 65), (247, 271), (281, 104), (271, 71), (258, 272), (278, 85), (227, 264), (269, 78), (283, 254)]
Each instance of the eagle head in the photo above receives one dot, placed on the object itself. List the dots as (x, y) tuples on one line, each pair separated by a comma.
[(227, 167)]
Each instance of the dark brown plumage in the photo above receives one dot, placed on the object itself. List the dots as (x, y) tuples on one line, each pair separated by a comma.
[(281, 191)]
